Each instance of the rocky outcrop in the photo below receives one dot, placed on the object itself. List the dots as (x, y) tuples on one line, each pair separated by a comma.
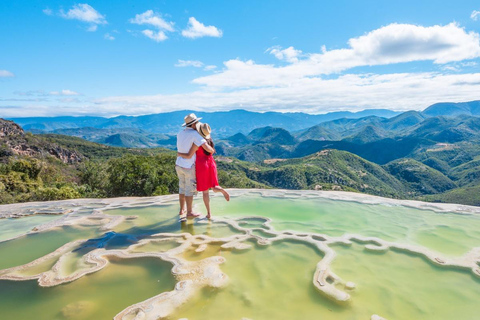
[(65, 155), (10, 128), (14, 141)]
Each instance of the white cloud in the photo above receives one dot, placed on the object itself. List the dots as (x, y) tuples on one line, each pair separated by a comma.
[(189, 63), (155, 20), (450, 68), (403, 42), (391, 44), (302, 85), (290, 54), (6, 74), (155, 35), (354, 92), (210, 67), (69, 100), (84, 12), (475, 14), (64, 93), (108, 36), (400, 91), (152, 19), (92, 28), (196, 29), (469, 64), (41, 93), (48, 12)]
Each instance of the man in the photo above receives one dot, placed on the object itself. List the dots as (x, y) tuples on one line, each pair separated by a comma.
[(186, 167)]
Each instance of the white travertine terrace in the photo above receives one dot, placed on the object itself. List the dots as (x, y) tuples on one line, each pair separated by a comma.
[(193, 275)]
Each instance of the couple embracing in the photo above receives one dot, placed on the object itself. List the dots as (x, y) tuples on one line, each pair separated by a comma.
[(195, 166)]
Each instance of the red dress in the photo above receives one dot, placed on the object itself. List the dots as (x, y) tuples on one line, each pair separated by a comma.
[(206, 171)]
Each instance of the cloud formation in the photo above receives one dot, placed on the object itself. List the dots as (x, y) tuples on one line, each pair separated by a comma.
[(48, 12), (395, 43), (196, 29), (289, 54), (210, 67), (354, 92), (41, 93), (64, 93), (6, 74), (322, 82), (156, 36), (82, 12), (108, 36), (475, 14), (152, 19), (156, 21), (189, 63)]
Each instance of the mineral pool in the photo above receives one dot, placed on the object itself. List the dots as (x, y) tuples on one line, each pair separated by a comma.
[(269, 254)]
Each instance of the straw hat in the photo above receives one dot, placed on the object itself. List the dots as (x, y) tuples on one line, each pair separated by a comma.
[(204, 130), (190, 119)]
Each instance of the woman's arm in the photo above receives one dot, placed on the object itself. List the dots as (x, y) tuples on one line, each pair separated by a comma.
[(190, 153), (207, 147)]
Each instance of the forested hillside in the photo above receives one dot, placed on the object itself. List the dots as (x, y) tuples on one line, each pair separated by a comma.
[(412, 155)]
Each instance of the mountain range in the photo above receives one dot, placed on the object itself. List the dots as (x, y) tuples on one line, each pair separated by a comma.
[(432, 155), (159, 130), (225, 123)]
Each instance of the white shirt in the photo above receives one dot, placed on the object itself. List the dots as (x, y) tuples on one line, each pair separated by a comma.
[(185, 139)]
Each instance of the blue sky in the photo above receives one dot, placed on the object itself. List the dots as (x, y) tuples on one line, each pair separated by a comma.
[(142, 57)]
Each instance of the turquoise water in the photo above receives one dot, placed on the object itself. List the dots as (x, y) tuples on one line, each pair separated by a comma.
[(266, 281)]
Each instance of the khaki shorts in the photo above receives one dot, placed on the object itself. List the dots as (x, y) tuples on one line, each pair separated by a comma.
[(187, 182)]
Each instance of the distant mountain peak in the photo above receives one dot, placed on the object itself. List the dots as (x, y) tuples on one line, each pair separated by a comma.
[(450, 109)]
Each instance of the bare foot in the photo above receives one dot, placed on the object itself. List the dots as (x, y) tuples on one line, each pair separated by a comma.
[(208, 216), (193, 215), (225, 194)]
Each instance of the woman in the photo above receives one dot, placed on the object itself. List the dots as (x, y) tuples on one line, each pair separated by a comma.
[(205, 167)]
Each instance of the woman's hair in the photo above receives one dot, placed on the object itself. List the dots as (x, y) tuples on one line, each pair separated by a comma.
[(211, 144)]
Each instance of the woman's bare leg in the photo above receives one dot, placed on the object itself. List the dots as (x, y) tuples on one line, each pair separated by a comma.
[(220, 189), (206, 201)]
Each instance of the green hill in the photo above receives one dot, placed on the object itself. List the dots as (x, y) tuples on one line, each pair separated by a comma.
[(471, 108), (403, 121), (318, 132), (464, 195), (327, 170), (418, 177), (368, 134), (52, 166), (271, 135), (127, 140), (443, 129)]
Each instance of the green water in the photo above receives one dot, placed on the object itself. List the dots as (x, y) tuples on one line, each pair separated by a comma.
[(401, 286), (164, 219), (97, 296), (266, 282), (28, 248), (276, 283), (272, 283), (448, 233), (10, 228)]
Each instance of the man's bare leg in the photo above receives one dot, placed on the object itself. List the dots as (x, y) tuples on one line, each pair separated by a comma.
[(206, 201), (220, 189), (189, 201), (181, 199)]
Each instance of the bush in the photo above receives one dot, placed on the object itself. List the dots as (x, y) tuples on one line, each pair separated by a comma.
[(63, 193), (134, 175), (30, 167)]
